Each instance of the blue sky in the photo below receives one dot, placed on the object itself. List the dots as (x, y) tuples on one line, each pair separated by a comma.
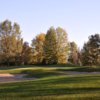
[(80, 18)]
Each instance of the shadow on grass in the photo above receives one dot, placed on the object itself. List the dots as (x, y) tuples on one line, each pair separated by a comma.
[(85, 69), (39, 73), (48, 87), (37, 65), (56, 65), (14, 67), (26, 92)]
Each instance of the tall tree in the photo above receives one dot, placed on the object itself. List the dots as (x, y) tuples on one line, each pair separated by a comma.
[(62, 46), (73, 57), (50, 46), (27, 54), (37, 45), (10, 41), (56, 46), (91, 51)]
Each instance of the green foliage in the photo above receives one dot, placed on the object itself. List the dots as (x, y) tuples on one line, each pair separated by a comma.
[(56, 46), (62, 46), (50, 46), (74, 53), (91, 51), (37, 46), (27, 54), (10, 42)]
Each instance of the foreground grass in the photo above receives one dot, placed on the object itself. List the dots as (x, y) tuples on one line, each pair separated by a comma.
[(56, 87), (51, 84)]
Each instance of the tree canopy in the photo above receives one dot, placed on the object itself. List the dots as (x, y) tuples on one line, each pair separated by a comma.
[(52, 47)]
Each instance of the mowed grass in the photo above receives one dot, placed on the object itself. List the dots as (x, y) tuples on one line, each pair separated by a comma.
[(25, 69), (64, 87), (50, 84)]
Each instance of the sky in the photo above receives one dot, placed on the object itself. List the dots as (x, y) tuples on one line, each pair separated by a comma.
[(80, 18)]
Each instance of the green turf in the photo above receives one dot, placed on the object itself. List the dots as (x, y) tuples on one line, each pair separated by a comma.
[(64, 87), (50, 84), (21, 69)]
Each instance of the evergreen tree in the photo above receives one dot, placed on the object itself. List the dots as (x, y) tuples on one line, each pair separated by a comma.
[(91, 51), (50, 46), (56, 46)]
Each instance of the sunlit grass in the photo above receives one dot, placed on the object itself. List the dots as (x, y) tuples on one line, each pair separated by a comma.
[(50, 84), (70, 87), (34, 68)]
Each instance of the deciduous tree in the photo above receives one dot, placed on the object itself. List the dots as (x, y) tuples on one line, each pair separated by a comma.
[(62, 46), (27, 54), (37, 45), (10, 41), (73, 57)]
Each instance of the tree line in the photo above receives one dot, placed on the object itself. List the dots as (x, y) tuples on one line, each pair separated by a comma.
[(50, 48)]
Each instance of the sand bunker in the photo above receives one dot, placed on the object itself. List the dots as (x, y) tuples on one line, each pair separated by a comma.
[(13, 77)]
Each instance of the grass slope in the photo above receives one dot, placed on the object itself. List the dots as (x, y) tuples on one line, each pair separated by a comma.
[(65, 87), (25, 69), (21, 69), (51, 85)]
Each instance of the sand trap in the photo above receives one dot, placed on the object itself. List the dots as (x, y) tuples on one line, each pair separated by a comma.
[(13, 77), (6, 75)]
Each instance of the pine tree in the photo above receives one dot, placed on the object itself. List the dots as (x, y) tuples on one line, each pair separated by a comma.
[(50, 46), (56, 46), (91, 51)]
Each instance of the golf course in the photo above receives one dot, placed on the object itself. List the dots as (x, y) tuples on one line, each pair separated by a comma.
[(50, 50)]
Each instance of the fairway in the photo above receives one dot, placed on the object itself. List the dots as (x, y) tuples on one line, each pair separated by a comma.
[(51, 83)]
